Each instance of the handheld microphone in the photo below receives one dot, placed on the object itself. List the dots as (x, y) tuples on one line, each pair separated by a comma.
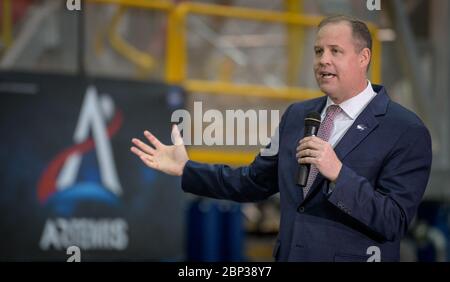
[(312, 124)]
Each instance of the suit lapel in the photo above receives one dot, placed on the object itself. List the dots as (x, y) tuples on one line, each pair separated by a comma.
[(361, 127), (365, 123)]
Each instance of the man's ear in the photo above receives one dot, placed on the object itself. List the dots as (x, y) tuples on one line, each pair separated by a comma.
[(365, 56)]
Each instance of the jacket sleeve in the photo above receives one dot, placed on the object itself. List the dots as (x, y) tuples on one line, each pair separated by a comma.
[(255, 182), (388, 208)]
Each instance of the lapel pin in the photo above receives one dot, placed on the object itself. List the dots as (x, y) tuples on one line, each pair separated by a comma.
[(361, 127)]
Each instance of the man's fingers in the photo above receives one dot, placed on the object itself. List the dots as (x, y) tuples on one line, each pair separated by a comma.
[(138, 152), (303, 140), (141, 154), (307, 153), (309, 145), (142, 146), (307, 160), (155, 142), (314, 139), (147, 159)]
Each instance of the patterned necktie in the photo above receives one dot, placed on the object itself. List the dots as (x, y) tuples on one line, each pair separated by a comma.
[(325, 129)]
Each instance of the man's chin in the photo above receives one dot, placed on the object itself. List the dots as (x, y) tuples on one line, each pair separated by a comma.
[(327, 89)]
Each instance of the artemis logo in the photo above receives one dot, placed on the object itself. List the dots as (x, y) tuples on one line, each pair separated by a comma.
[(373, 5), (65, 188), (73, 5), (84, 233)]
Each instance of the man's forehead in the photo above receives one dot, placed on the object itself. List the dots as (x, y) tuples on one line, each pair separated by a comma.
[(344, 25), (334, 34)]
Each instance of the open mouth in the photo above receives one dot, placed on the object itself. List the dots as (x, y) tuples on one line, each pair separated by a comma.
[(327, 75)]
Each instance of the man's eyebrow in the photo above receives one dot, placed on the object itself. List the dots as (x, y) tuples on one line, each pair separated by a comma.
[(334, 46), (329, 46)]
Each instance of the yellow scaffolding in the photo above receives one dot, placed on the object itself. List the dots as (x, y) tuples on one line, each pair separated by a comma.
[(176, 60)]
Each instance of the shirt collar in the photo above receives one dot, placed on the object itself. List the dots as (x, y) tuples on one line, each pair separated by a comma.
[(355, 105)]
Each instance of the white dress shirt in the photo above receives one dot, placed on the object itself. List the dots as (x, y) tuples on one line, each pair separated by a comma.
[(351, 109)]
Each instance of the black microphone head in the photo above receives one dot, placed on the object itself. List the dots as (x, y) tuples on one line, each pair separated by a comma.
[(312, 119)]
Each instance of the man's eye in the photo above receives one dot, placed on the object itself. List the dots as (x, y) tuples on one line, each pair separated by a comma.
[(335, 51), (318, 52)]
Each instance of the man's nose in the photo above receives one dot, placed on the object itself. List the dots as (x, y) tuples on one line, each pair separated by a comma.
[(325, 59)]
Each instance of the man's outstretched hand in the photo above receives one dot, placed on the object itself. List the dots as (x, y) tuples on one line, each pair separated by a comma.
[(168, 159)]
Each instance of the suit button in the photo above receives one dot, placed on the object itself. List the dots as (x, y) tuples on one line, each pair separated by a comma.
[(301, 209)]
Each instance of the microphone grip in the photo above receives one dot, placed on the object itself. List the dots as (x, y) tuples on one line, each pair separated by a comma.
[(303, 174)]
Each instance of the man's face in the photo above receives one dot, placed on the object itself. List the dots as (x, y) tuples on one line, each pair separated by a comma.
[(338, 66)]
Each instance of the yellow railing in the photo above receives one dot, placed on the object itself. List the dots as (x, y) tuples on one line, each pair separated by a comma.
[(176, 57), (145, 62), (251, 90), (143, 4), (232, 157)]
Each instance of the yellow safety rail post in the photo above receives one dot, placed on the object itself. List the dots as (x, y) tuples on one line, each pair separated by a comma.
[(376, 56), (295, 48), (7, 24), (176, 47)]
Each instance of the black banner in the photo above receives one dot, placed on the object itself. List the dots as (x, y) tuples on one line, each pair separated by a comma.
[(68, 178)]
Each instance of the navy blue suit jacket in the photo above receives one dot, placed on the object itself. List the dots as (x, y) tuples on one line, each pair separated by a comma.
[(385, 172)]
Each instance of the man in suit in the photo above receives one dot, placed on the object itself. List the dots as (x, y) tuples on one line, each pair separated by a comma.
[(370, 161)]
